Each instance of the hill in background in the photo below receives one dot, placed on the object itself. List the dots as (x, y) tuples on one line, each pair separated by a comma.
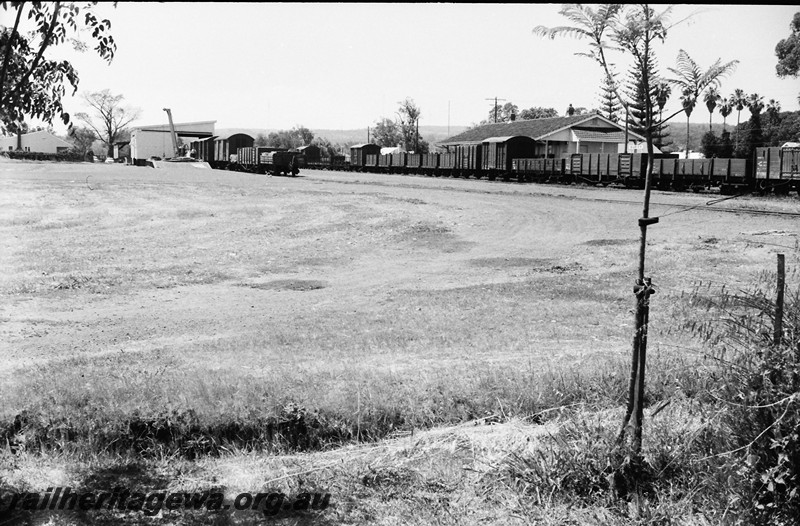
[(677, 133)]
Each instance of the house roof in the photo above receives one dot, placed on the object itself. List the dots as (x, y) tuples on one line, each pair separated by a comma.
[(45, 133), (365, 144), (538, 129), (161, 127), (227, 136), (600, 135)]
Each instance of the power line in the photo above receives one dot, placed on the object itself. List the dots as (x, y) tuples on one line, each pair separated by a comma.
[(495, 107)]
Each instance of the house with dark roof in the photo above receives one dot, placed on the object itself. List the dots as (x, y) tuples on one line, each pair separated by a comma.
[(554, 136)]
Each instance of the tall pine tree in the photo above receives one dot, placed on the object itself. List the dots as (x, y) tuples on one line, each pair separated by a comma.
[(609, 105), (636, 96)]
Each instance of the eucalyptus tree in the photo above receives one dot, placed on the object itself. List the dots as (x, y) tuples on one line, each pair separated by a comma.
[(109, 118), (633, 31), (33, 80)]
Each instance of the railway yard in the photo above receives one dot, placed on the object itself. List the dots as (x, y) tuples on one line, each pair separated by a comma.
[(398, 308)]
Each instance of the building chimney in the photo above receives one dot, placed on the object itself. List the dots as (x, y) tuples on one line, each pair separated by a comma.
[(19, 139)]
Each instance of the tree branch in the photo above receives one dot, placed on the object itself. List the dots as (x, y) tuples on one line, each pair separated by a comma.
[(8, 50), (45, 43)]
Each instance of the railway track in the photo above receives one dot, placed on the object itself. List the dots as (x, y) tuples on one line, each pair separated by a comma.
[(492, 187)]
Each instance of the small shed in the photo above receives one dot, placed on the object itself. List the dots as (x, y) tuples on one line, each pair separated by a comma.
[(156, 140)]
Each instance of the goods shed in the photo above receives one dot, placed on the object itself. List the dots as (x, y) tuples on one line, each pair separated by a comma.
[(156, 140)]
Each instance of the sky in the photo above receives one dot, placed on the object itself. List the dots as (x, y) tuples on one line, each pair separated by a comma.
[(345, 66)]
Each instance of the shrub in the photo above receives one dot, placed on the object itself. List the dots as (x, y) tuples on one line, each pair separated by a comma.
[(755, 383)]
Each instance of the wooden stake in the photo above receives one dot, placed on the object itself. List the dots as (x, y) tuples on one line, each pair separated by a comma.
[(778, 334)]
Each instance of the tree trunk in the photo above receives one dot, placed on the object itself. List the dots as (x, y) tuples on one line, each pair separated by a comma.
[(687, 136), (738, 116)]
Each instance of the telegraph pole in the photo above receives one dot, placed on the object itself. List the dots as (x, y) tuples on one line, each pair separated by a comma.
[(495, 107)]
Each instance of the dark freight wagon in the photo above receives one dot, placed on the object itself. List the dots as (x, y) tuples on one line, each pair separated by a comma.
[(498, 154), (359, 152), (226, 145), (312, 153), (777, 169), (468, 159)]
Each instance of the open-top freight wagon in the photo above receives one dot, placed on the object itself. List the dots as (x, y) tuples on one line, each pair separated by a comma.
[(773, 169), (263, 160)]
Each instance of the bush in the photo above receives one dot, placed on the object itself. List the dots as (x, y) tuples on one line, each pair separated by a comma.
[(70, 156), (755, 383), (708, 145)]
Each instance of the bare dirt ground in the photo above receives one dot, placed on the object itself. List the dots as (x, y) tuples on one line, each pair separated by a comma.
[(131, 288), (430, 235)]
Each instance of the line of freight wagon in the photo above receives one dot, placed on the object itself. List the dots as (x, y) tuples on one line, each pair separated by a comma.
[(772, 169)]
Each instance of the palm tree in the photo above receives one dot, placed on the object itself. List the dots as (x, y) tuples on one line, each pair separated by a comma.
[(725, 109), (688, 100), (738, 101), (663, 91), (693, 81), (711, 99), (755, 103), (773, 109)]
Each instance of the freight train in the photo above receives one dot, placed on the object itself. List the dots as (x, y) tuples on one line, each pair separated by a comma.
[(773, 169)]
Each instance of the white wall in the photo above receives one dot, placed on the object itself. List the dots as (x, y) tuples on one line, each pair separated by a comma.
[(40, 141), (146, 144)]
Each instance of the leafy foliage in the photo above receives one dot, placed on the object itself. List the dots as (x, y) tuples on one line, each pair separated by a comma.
[(82, 138), (288, 139), (404, 131), (788, 51), (386, 133), (32, 85)]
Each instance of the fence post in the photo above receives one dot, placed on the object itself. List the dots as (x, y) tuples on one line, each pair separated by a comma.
[(778, 334)]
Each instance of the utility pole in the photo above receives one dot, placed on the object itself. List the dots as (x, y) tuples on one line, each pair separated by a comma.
[(495, 107), (416, 142)]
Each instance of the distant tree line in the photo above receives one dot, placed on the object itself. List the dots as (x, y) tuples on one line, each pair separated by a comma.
[(298, 137)]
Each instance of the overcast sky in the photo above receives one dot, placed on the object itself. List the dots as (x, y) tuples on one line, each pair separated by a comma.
[(344, 66)]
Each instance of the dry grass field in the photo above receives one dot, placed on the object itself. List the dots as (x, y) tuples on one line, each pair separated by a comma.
[(352, 333)]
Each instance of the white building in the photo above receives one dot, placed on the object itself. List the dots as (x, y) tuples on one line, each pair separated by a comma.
[(156, 140), (40, 141)]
